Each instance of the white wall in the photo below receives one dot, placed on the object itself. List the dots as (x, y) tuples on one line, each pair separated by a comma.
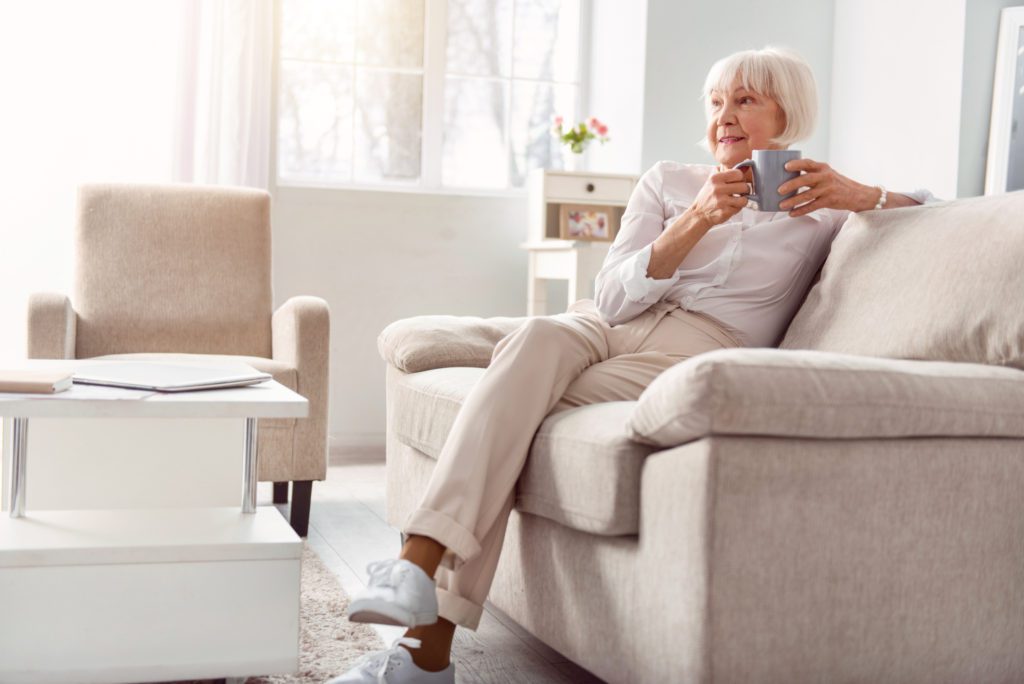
[(618, 40), (61, 124), (896, 93), (685, 38), (379, 256)]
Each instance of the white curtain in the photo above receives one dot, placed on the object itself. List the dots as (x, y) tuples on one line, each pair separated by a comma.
[(224, 93), (118, 90)]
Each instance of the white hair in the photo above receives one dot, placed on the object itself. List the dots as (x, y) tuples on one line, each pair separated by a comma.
[(779, 73)]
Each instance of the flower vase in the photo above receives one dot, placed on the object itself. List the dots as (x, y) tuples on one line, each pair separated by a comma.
[(571, 161)]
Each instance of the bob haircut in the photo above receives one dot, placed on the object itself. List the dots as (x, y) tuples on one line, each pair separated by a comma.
[(777, 72)]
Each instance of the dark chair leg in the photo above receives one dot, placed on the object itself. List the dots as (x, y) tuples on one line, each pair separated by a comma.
[(302, 491), (280, 492)]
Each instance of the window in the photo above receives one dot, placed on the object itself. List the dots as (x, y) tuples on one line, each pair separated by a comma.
[(425, 93)]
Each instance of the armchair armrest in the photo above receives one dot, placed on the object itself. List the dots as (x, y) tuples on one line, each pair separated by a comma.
[(52, 324), (300, 337), (804, 393), (423, 342)]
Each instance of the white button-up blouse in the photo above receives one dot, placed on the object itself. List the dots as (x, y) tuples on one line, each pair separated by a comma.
[(749, 273)]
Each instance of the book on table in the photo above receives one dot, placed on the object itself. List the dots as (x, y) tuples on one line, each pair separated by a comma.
[(36, 381)]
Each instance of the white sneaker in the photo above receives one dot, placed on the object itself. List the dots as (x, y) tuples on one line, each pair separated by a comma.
[(399, 593), (394, 666)]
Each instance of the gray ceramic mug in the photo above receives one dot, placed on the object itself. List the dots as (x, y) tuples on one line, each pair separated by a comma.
[(769, 167)]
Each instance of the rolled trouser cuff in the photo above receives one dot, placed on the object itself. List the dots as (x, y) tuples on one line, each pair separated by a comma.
[(445, 530), (459, 610)]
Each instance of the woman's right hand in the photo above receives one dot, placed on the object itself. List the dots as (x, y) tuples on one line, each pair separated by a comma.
[(717, 201)]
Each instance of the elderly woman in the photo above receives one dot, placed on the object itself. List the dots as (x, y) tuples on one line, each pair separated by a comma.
[(693, 268)]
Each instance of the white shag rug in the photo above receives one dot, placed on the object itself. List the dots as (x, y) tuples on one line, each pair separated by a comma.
[(328, 642)]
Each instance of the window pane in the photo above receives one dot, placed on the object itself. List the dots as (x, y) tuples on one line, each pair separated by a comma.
[(315, 127), (390, 33), (533, 107), (318, 29), (388, 117), (473, 152), (547, 40), (479, 37)]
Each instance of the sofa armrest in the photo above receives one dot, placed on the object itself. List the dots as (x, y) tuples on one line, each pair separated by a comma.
[(423, 342), (52, 324), (803, 393), (769, 548)]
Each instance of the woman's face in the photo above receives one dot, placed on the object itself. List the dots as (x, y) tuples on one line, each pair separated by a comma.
[(740, 121)]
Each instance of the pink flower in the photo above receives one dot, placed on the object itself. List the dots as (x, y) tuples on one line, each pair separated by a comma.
[(558, 121), (602, 129), (593, 122)]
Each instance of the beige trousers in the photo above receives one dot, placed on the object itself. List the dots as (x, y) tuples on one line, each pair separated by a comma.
[(549, 364)]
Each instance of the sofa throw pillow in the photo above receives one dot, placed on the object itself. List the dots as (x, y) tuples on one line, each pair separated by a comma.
[(938, 281), (812, 394), (424, 342)]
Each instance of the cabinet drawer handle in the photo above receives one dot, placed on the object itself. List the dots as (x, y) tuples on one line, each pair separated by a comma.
[(590, 187)]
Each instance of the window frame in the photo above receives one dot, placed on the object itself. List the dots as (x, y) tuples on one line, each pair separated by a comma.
[(432, 122)]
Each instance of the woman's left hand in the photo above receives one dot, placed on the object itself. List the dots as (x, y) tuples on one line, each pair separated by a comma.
[(825, 189)]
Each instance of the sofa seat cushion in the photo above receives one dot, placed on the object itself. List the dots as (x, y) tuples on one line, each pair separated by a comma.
[(813, 394), (282, 372), (583, 471)]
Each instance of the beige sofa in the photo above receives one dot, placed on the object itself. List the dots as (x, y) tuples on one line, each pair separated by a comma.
[(848, 507), (182, 272)]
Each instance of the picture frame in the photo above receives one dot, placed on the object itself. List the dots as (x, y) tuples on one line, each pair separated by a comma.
[(1004, 169), (587, 222)]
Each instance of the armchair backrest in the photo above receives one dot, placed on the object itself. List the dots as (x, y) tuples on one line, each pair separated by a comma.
[(937, 282), (172, 268)]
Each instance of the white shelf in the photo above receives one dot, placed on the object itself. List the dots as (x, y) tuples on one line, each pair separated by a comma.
[(178, 535), (549, 190)]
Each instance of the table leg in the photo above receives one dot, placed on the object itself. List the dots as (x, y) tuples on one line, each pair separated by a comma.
[(575, 287), (249, 468), (536, 290), (19, 450)]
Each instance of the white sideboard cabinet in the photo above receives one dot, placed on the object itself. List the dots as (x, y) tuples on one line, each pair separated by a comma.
[(572, 260)]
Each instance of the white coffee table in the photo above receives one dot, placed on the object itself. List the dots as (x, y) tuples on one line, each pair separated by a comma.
[(159, 594)]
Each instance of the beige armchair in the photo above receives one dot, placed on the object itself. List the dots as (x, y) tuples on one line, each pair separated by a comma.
[(178, 272)]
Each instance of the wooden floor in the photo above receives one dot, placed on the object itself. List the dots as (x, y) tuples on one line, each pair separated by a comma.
[(347, 529)]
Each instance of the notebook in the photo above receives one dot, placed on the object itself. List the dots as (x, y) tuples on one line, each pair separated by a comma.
[(34, 381), (168, 377)]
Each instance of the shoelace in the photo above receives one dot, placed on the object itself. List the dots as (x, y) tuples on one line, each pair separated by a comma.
[(386, 661), (380, 572)]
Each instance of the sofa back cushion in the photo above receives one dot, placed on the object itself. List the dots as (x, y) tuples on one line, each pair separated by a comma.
[(937, 281)]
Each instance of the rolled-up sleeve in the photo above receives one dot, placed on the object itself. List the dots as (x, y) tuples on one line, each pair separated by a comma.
[(921, 196), (622, 289)]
